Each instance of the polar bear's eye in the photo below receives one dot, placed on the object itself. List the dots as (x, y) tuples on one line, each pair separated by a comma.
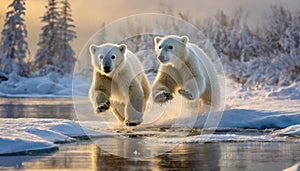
[(159, 47), (171, 47), (113, 57), (101, 57)]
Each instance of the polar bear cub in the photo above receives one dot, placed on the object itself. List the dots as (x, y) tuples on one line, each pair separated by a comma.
[(119, 83), (184, 68)]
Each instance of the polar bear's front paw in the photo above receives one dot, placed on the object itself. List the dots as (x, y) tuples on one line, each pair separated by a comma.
[(103, 107), (163, 97), (186, 94), (128, 123)]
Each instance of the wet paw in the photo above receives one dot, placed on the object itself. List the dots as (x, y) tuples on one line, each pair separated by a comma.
[(186, 94), (103, 107), (163, 97)]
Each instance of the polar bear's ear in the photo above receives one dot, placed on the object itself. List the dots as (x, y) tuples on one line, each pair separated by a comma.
[(184, 39), (122, 48), (93, 48), (157, 39)]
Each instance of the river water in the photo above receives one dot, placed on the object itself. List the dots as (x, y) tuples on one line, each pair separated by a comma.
[(85, 155)]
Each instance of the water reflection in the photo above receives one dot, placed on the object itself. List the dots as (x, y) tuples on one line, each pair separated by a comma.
[(102, 160), (191, 157), (15, 161), (213, 156), (36, 108), (266, 156)]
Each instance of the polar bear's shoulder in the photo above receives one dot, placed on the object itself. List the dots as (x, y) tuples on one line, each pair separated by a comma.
[(193, 49), (133, 62)]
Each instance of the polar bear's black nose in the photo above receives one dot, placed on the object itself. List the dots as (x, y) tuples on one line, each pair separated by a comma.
[(106, 69), (162, 58)]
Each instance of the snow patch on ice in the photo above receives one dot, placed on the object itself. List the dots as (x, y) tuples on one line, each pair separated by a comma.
[(255, 115), (210, 138), (295, 167), (26, 142), (26, 135), (257, 119), (293, 130)]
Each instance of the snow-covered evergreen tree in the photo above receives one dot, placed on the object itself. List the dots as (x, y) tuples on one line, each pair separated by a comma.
[(66, 35), (46, 58), (14, 45), (55, 53)]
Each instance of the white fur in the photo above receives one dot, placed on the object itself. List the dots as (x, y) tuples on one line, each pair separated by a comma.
[(126, 87), (185, 69)]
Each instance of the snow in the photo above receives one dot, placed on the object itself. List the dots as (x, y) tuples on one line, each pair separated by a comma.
[(218, 138), (247, 116), (28, 135), (51, 85), (295, 167), (254, 119), (293, 130), (291, 92)]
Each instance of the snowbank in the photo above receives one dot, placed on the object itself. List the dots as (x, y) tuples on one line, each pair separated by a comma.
[(255, 119), (26, 136), (248, 114), (235, 119), (51, 85)]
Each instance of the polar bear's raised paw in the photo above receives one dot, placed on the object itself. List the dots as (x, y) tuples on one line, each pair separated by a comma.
[(186, 94), (163, 97), (103, 107)]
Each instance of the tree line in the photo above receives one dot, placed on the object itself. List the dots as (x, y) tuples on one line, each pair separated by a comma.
[(255, 56), (54, 53)]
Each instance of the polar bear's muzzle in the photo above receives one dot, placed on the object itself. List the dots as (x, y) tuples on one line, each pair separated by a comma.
[(107, 65), (107, 69), (163, 59)]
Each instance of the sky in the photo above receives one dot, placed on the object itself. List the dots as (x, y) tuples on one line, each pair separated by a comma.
[(89, 15)]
